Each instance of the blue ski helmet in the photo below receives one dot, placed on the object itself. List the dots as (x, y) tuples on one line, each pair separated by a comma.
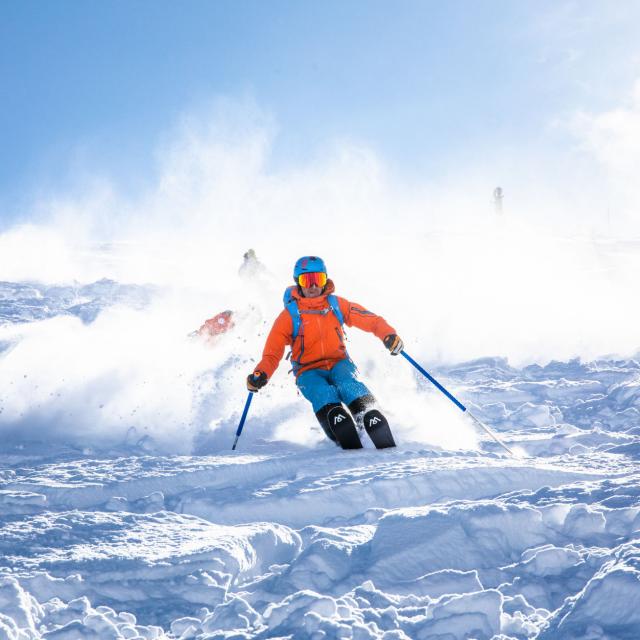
[(308, 264)]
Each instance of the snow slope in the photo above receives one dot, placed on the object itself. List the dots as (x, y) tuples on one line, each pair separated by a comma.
[(110, 534)]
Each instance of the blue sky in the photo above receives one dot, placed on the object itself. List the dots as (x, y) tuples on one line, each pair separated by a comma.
[(429, 85)]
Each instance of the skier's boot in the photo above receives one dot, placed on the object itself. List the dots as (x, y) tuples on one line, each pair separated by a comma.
[(377, 427), (323, 418), (344, 428)]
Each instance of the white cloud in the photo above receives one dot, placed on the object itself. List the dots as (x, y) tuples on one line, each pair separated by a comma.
[(612, 138)]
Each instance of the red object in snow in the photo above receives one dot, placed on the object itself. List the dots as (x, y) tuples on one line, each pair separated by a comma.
[(220, 323)]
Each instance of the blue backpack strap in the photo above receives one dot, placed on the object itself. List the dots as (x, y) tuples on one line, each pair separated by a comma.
[(335, 307), (291, 306)]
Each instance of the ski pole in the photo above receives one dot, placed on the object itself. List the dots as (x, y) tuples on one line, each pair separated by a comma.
[(244, 417), (455, 400)]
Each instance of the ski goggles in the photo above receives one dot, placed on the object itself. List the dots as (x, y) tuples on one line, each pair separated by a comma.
[(306, 280)]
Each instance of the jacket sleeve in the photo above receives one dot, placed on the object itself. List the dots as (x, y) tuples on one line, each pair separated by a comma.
[(279, 337), (356, 315)]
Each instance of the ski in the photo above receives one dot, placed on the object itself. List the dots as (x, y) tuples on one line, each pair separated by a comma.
[(377, 427), (344, 428)]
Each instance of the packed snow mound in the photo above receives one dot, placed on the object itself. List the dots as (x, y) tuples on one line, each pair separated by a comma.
[(368, 544)]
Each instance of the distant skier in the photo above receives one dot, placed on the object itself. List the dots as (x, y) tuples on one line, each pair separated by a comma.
[(498, 197), (219, 324), (250, 270), (311, 324), (251, 267)]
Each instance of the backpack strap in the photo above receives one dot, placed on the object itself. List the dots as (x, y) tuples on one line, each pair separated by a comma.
[(332, 299), (291, 305)]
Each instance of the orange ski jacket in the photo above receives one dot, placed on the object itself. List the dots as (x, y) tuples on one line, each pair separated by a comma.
[(320, 341)]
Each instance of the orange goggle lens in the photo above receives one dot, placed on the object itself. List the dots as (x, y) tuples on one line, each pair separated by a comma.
[(306, 280)]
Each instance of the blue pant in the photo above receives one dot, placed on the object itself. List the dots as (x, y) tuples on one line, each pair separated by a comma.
[(338, 384)]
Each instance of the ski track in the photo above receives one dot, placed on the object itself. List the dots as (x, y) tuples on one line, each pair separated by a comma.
[(284, 542)]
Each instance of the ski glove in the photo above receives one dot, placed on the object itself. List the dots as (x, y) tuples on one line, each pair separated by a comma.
[(394, 344), (256, 380)]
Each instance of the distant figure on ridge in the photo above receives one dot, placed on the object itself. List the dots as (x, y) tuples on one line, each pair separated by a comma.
[(498, 196)]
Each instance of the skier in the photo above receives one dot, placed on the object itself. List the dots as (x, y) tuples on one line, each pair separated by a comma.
[(251, 267), (311, 323), (213, 327), (252, 271)]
